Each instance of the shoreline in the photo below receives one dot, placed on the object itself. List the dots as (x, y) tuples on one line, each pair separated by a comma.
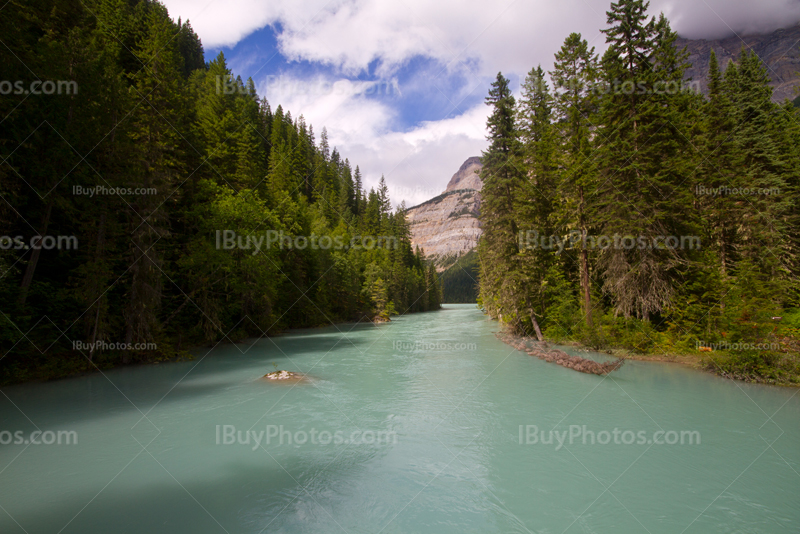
[(84, 367), (697, 362)]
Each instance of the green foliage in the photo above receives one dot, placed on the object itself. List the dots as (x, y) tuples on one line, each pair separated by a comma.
[(213, 157), (460, 280), (621, 148)]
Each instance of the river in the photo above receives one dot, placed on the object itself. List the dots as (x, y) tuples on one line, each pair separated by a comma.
[(427, 424)]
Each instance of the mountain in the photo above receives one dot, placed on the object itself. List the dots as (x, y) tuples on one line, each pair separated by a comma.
[(779, 50), (468, 176), (447, 226)]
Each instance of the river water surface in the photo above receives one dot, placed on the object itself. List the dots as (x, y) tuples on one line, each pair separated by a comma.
[(426, 424)]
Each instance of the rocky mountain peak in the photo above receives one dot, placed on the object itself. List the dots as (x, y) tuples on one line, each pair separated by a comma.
[(467, 176), (447, 226)]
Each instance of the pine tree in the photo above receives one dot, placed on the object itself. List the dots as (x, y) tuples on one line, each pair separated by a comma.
[(504, 295), (536, 204), (718, 170), (158, 160), (574, 74), (640, 141), (756, 156)]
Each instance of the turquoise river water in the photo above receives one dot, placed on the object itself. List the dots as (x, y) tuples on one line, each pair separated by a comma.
[(428, 424)]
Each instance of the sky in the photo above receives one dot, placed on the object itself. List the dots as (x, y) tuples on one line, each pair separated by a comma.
[(400, 84)]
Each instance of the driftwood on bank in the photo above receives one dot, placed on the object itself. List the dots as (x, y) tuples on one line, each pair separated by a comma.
[(576, 363)]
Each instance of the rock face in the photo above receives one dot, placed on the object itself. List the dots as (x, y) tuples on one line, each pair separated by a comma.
[(447, 226), (468, 176), (779, 50)]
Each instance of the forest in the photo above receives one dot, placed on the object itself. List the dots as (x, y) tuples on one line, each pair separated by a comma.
[(459, 282), (138, 185), (624, 210)]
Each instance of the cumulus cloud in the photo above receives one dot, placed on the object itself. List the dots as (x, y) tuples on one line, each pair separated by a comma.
[(419, 162), (416, 163), (512, 35), (465, 41)]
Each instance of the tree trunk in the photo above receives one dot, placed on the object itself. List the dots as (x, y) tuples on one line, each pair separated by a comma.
[(534, 322), (31, 268), (587, 296), (539, 335), (98, 256)]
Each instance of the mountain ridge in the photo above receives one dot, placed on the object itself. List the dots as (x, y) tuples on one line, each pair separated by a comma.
[(779, 50)]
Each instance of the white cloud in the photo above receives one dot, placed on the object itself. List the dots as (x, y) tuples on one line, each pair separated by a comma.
[(511, 36), (225, 22), (470, 41), (416, 163)]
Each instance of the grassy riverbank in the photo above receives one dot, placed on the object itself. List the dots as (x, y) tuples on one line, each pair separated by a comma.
[(784, 370), (771, 359)]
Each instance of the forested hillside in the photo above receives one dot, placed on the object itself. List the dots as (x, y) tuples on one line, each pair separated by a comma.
[(622, 210), (152, 201), (460, 281)]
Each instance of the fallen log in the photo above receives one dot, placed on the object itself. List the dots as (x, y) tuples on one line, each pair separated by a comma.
[(559, 357)]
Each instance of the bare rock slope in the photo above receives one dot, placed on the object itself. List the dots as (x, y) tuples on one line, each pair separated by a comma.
[(447, 226), (780, 51), (468, 176)]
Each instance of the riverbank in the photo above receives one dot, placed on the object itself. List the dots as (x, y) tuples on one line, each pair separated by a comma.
[(71, 364), (783, 371)]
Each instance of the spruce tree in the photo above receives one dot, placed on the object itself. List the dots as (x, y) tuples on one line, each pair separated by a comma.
[(537, 202), (640, 142), (574, 74), (756, 155), (504, 293)]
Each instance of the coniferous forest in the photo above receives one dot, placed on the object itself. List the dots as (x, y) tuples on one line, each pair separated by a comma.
[(458, 281), (155, 201), (624, 210)]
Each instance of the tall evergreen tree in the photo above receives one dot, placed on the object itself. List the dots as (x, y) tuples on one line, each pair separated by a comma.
[(639, 196), (536, 205), (504, 295), (575, 74)]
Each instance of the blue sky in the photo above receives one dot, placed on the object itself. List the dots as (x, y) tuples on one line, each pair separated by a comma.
[(400, 84)]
